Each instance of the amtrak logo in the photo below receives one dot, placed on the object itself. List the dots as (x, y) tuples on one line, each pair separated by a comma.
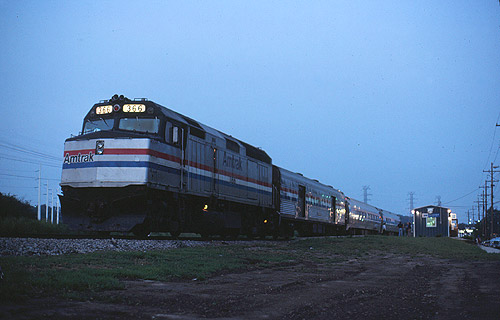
[(232, 162), (79, 158)]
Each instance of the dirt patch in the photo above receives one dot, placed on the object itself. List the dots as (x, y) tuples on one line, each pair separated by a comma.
[(388, 286)]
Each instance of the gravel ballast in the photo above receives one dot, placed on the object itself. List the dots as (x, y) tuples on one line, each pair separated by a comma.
[(36, 246)]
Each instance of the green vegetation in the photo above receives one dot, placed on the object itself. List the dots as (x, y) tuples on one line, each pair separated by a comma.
[(442, 247), (10, 206), (19, 218), (11, 226), (85, 275)]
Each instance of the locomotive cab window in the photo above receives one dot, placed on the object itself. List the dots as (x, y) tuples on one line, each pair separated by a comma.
[(168, 132), (98, 125), (144, 125)]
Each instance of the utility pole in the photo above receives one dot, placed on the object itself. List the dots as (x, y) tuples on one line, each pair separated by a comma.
[(52, 207), (47, 204), (411, 194), (485, 206), (478, 208), (491, 171), (479, 202), (473, 216), (468, 218), (39, 213), (57, 207), (438, 200), (366, 194)]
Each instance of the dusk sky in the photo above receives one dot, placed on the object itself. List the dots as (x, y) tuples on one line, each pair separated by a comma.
[(402, 96)]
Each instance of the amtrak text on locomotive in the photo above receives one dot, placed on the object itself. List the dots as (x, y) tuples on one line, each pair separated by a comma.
[(232, 161), (79, 158)]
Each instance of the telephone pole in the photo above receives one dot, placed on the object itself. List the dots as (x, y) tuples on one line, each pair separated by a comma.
[(39, 213), (366, 194), (485, 206), (478, 208), (491, 172), (47, 204), (438, 200), (484, 196), (479, 203), (411, 194)]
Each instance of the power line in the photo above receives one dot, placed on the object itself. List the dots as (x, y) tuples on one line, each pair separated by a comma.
[(496, 154), (10, 146), (27, 177), (462, 196), (492, 142), (32, 162), (17, 187)]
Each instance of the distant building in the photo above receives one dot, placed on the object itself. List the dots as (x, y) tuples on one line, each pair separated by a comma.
[(434, 221)]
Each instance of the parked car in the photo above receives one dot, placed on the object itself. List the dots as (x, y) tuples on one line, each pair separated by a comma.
[(495, 244)]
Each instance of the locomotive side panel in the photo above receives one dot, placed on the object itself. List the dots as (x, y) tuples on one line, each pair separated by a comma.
[(164, 166), (200, 168), (227, 175), (233, 175)]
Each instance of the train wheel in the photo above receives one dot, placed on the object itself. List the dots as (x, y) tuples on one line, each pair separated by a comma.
[(232, 233), (174, 229), (175, 234), (141, 231), (204, 236)]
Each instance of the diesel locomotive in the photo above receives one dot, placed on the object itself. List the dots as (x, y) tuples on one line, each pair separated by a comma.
[(140, 167)]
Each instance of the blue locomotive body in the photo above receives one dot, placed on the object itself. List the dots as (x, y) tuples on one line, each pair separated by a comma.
[(146, 168)]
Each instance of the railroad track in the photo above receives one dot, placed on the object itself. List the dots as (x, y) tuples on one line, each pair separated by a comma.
[(97, 236)]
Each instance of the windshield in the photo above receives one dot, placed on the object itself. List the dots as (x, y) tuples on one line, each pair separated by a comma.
[(140, 125), (98, 125)]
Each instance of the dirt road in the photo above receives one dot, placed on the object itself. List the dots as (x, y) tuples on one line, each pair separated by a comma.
[(385, 286)]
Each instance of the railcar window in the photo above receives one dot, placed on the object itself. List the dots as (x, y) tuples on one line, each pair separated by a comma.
[(139, 125), (98, 125)]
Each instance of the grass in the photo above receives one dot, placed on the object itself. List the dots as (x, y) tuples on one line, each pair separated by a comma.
[(85, 275), (90, 273), (445, 248), (16, 226)]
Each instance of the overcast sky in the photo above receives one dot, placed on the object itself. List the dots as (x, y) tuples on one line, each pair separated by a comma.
[(402, 96)]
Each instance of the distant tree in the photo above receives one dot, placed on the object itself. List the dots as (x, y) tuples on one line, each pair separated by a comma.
[(463, 226), (10, 206)]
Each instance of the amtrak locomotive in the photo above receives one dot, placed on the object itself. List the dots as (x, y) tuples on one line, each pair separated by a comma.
[(140, 167)]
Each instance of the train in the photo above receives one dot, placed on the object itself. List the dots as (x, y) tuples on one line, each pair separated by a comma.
[(140, 167)]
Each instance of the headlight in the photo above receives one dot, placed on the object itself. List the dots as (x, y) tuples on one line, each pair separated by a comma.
[(103, 109), (134, 108)]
